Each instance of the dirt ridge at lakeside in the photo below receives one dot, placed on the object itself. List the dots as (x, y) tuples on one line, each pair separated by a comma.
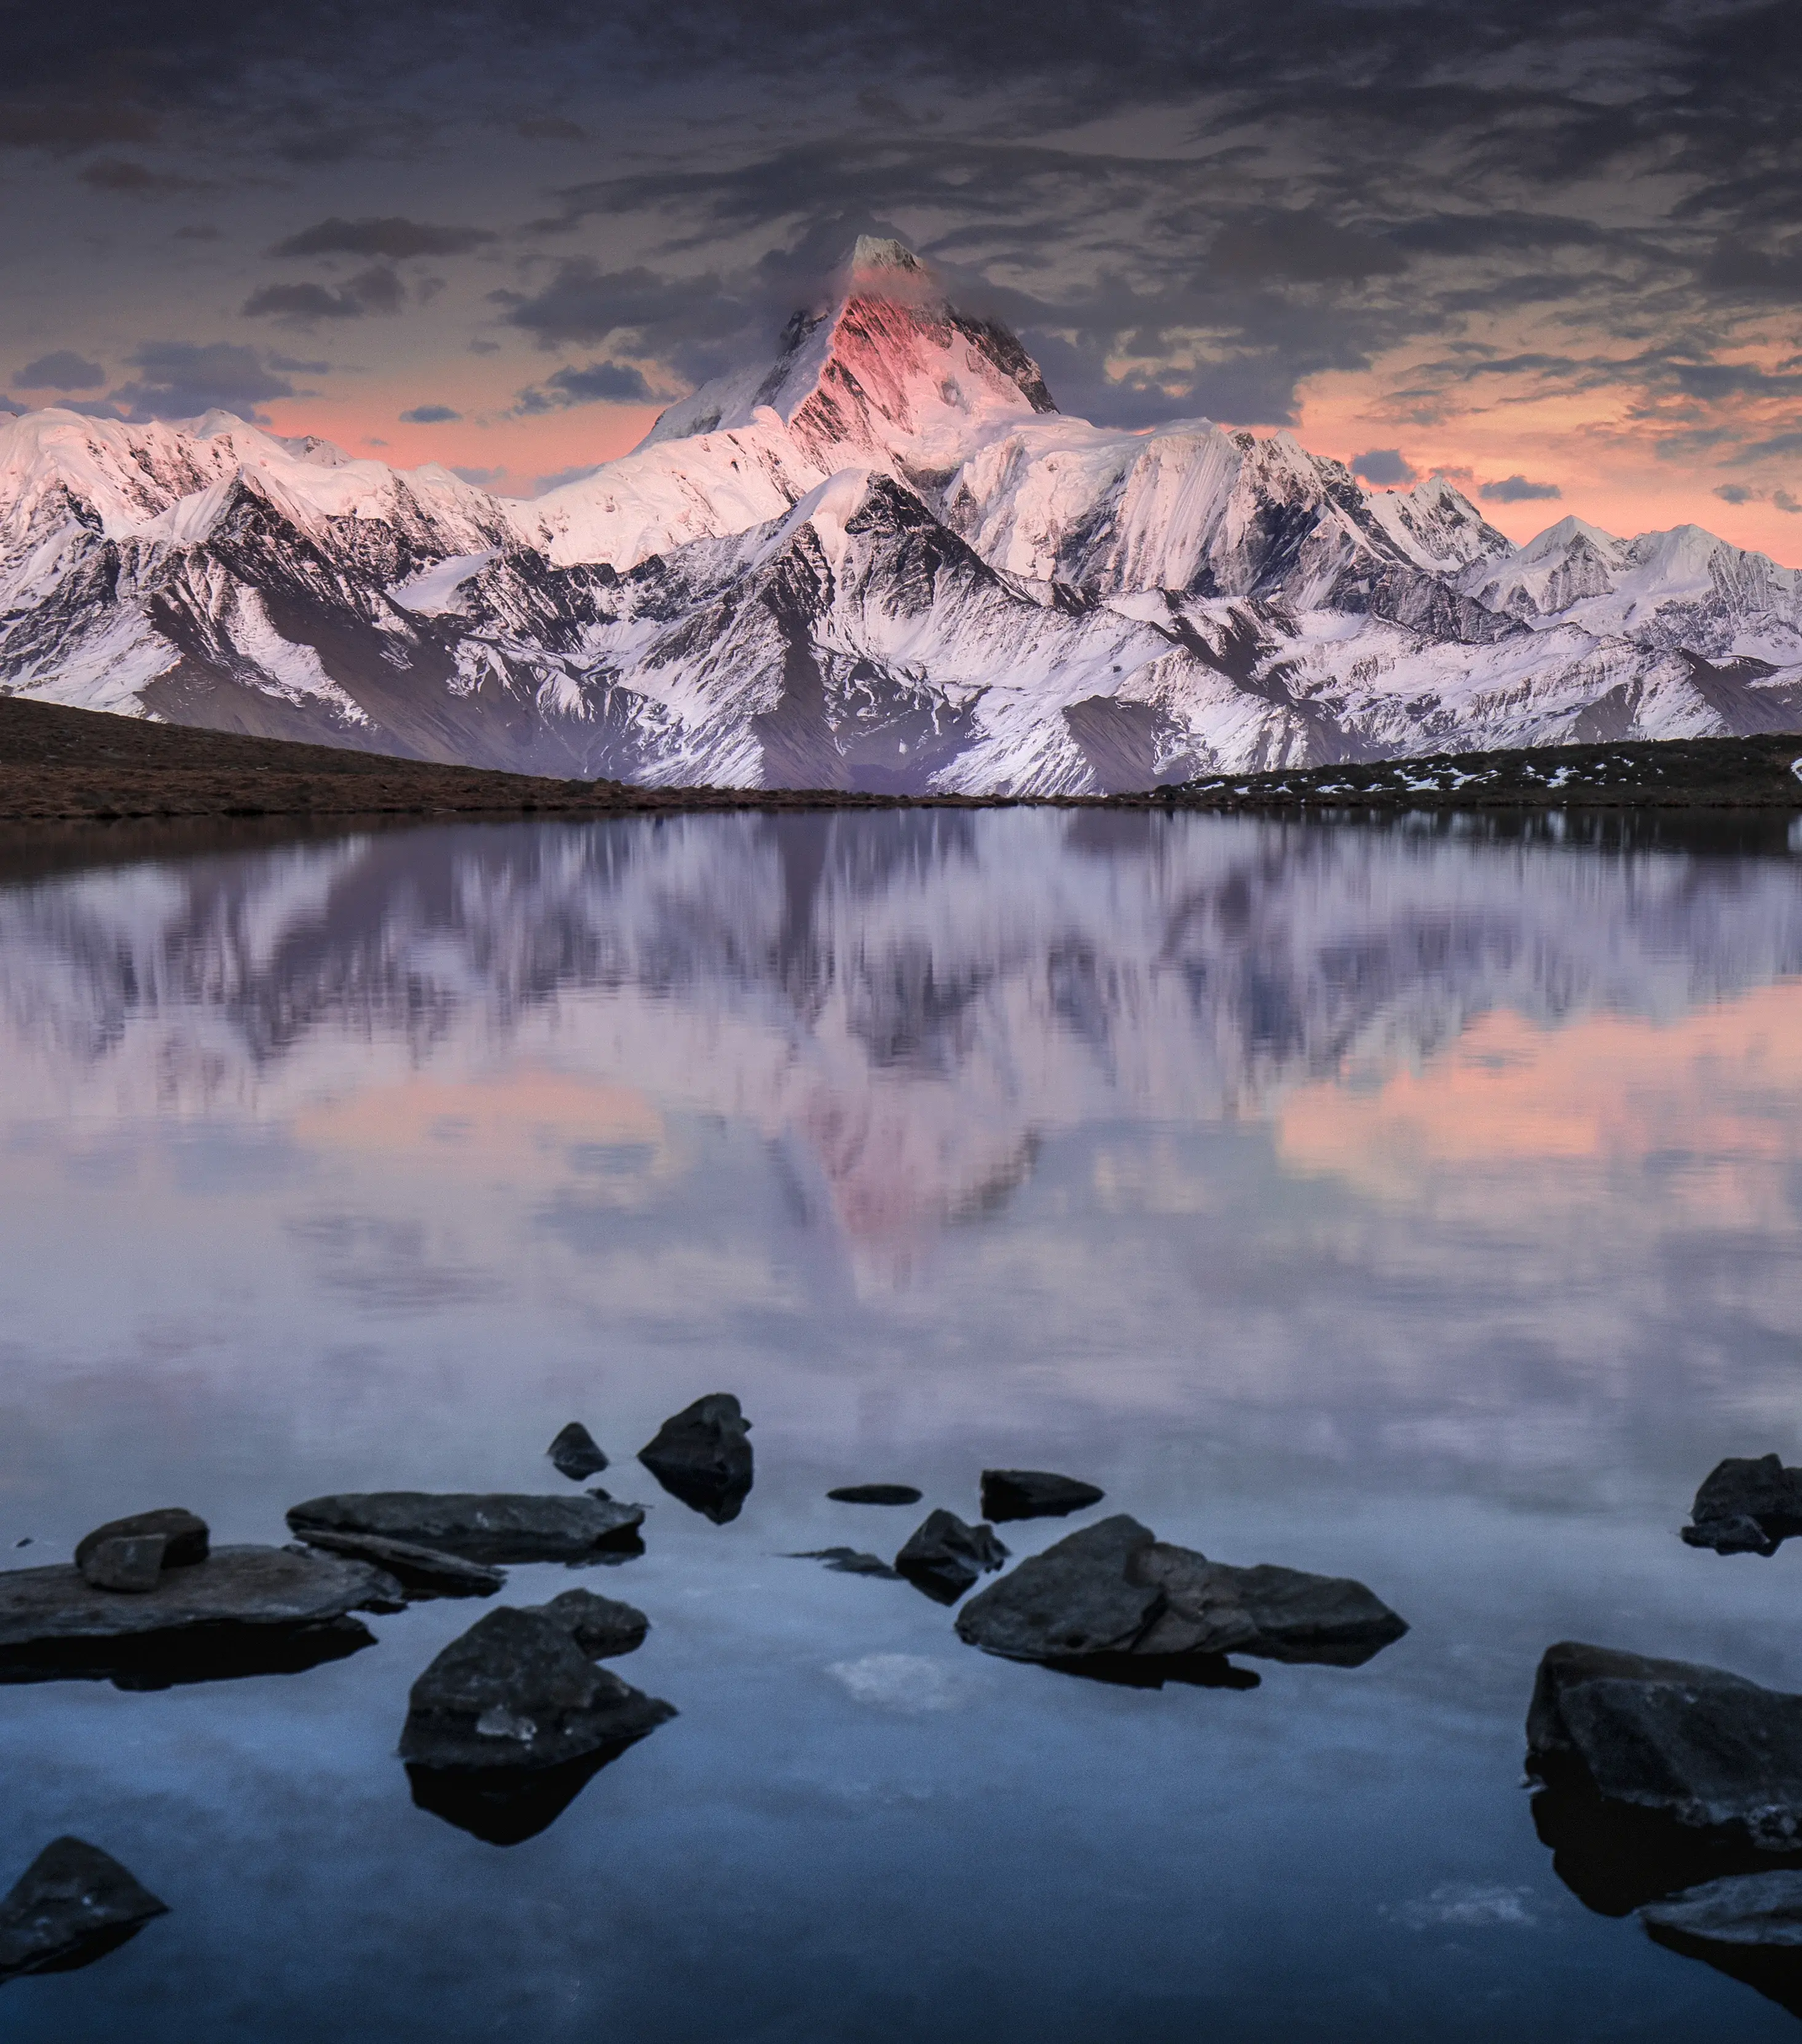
[(61, 765)]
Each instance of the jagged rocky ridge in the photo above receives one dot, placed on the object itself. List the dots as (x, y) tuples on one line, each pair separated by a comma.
[(885, 562)]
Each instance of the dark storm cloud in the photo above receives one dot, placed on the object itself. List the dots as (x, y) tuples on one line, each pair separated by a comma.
[(600, 383), (181, 379), (372, 290), (61, 370), (1256, 195), (393, 237), (115, 174), (428, 415), (1384, 467), (1517, 490)]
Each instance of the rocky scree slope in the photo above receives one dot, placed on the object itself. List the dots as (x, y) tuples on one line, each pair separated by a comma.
[(885, 561)]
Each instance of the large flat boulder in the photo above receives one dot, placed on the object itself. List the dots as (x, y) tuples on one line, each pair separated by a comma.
[(243, 1611), (492, 1526), (1710, 1750), (1748, 1926), (422, 1573), (72, 1905), (1746, 1505), (1115, 1589), (701, 1456)]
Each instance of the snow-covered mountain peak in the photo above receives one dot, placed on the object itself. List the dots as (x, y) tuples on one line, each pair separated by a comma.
[(891, 370)]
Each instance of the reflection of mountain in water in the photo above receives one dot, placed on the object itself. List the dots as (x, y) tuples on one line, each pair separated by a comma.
[(911, 1001)]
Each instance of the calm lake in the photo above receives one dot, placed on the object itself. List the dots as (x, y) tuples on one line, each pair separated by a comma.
[(1422, 1205)]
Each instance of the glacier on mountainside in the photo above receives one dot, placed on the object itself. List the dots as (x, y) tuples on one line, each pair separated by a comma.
[(884, 561)]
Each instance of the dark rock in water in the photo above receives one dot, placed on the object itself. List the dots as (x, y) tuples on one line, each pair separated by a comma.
[(1115, 1589), (1034, 1494), (576, 1454), (701, 1456), (1079, 1597), (243, 1611), (497, 1526), (185, 1536), (1746, 1505), (846, 1562), (601, 1627), (1152, 1671), (504, 1806), (944, 1557), (515, 1693), (422, 1573), (1711, 1751), (72, 1905), (874, 1493), (1748, 1926), (124, 1561)]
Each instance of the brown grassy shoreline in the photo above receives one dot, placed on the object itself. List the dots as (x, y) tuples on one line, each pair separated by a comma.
[(67, 766)]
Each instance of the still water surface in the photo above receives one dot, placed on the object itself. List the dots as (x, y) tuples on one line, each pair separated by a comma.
[(1418, 1206)]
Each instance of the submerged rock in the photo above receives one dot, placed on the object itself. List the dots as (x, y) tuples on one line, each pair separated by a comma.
[(1115, 1589), (874, 1493), (72, 1905), (846, 1562), (944, 1557), (492, 1526), (185, 1537), (243, 1611), (125, 1561), (422, 1573), (701, 1455), (576, 1454), (1034, 1494), (1746, 1505), (601, 1627), (1748, 1926), (516, 1692), (1709, 1751)]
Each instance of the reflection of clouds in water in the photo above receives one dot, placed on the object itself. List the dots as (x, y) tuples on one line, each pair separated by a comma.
[(1457, 1906), (397, 1266), (907, 1682)]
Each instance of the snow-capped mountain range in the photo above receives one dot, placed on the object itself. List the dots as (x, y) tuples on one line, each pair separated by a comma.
[(885, 561)]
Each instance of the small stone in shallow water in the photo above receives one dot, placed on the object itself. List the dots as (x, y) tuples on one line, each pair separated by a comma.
[(72, 1905), (1746, 1505), (125, 1561), (845, 1561), (185, 1539), (1008, 1494), (601, 1627), (875, 1493), (700, 1456), (943, 1557), (576, 1454)]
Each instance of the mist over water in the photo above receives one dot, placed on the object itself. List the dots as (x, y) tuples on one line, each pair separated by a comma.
[(1419, 1206)]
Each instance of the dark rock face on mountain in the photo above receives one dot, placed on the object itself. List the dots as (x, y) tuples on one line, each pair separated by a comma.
[(887, 563), (1712, 1752), (496, 1527), (422, 1573), (1034, 1494), (184, 1536), (945, 1558), (243, 1611), (1116, 1589), (575, 1453), (72, 1905), (1746, 1506), (701, 1455)]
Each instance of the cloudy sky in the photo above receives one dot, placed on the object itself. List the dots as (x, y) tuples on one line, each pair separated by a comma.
[(1552, 249)]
